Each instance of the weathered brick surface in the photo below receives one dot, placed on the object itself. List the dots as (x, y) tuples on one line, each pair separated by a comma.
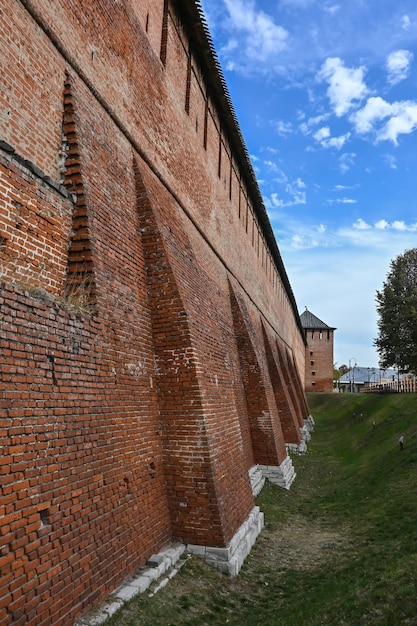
[(150, 351), (35, 223)]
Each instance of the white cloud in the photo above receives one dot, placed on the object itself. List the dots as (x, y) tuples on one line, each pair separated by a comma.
[(374, 110), (402, 118), (322, 133), (398, 65), (294, 192), (403, 121), (400, 225), (405, 22), (324, 139), (331, 9), (280, 178), (317, 119), (346, 85), (366, 238), (283, 128), (342, 201), (273, 167), (299, 242), (299, 4), (381, 225), (336, 142), (263, 38), (344, 187), (306, 127), (391, 161), (360, 224)]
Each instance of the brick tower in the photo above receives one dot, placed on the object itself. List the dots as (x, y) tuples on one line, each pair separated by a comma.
[(319, 353)]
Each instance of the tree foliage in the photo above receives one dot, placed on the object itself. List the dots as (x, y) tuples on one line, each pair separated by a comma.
[(338, 372), (397, 310)]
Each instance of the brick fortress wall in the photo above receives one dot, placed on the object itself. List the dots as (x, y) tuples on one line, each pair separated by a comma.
[(150, 349)]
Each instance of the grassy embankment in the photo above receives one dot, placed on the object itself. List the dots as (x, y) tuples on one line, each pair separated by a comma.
[(339, 548)]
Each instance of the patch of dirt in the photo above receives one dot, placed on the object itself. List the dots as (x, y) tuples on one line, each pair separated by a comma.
[(301, 545)]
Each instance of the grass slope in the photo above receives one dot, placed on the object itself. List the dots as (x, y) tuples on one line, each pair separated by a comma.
[(339, 548)]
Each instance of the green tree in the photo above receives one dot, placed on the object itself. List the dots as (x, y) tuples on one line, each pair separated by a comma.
[(338, 372), (397, 309)]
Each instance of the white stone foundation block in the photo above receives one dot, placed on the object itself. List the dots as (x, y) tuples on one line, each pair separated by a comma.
[(298, 448), (305, 431), (159, 564), (231, 558), (257, 480), (309, 424), (282, 475)]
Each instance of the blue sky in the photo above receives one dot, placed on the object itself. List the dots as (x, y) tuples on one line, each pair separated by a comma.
[(326, 96)]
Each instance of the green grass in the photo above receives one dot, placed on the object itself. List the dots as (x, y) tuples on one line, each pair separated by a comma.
[(339, 548)]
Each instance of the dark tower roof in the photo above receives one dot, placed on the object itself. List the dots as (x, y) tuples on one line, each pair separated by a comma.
[(308, 320)]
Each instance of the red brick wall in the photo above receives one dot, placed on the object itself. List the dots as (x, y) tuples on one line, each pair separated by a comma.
[(83, 493), (35, 224), (150, 352)]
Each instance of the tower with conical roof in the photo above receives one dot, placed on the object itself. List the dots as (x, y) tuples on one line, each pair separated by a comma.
[(319, 353)]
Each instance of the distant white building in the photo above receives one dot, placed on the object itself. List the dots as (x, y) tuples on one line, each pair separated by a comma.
[(359, 379)]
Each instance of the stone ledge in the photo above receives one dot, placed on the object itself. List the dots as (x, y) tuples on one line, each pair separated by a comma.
[(36, 171)]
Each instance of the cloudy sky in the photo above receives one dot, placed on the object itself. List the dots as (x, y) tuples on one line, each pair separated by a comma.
[(326, 95)]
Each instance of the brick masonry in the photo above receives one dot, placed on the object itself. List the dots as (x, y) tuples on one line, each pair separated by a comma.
[(319, 360), (319, 367), (151, 355)]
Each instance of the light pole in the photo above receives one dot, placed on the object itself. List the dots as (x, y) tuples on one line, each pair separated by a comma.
[(373, 377), (352, 371)]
